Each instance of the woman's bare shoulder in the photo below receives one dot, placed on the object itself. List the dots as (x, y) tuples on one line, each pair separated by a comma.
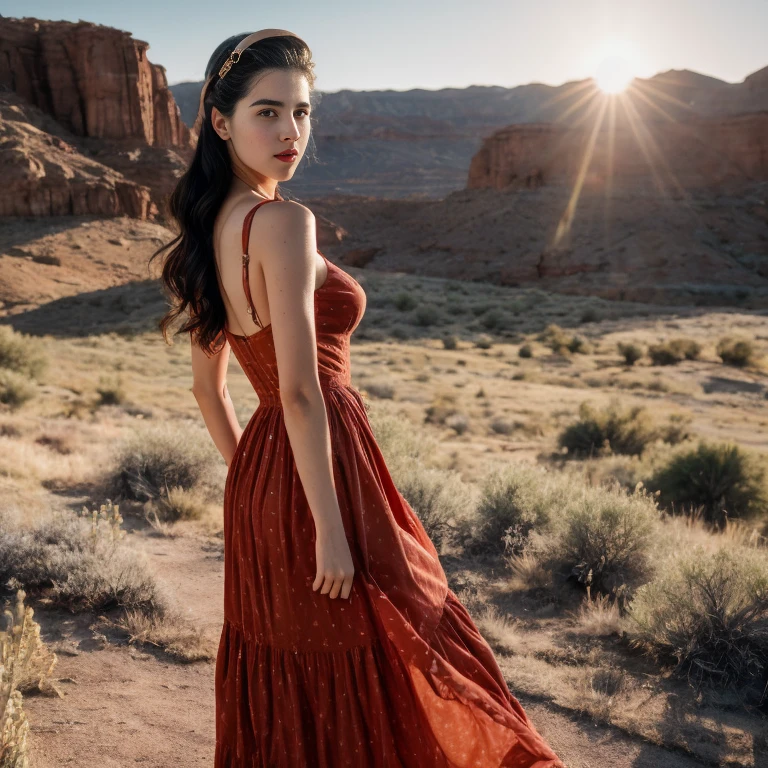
[(287, 211), (279, 222)]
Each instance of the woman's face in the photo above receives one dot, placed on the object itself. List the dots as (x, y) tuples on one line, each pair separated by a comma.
[(272, 118)]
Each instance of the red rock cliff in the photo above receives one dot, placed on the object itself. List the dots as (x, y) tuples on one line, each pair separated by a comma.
[(699, 152), (94, 80)]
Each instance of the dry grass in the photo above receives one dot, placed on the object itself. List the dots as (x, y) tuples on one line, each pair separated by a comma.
[(84, 564), (26, 666), (599, 617), (452, 401)]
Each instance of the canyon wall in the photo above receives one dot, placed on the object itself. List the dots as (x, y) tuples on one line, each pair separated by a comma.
[(88, 124), (45, 175), (671, 155), (95, 81)]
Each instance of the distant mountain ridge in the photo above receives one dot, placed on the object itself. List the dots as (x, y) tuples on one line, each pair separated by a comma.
[(419, 143), (667, 202)]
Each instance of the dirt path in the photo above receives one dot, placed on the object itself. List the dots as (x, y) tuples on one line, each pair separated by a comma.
[(126, 707)]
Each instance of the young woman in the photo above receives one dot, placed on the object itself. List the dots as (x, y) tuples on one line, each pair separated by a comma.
[(342, 644)]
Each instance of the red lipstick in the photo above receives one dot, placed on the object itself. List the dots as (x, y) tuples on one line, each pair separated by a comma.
[(288, 156)]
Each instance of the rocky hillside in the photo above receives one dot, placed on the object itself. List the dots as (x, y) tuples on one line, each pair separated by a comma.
[(44, 174), (87, 123), (705, 247), (668, 156)]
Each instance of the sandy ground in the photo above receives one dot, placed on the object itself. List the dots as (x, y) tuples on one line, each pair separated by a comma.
[(123, 706)]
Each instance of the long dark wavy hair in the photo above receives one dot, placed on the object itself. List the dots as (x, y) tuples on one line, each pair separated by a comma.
[(189, 269)]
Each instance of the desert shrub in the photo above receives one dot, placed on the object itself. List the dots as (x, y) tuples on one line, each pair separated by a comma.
[(707, 613), (401, 332), (630, 352), (721, 479), (443, 406), (158, 457), (579, 345), (398, 441), (677, 430), (380, 389), (26, 665), (15, 388), (590, 315), (21, 353), (439, 498), (484, 341), (110, 391), (450, 342), (662, 354), (513, 501), (736, 352), (555, 523), (81, 562), (458, 422), (404, 301), (502, 426), (605, 537), (427, 314), (555, 338), (177, 504), (526, 350), (674, 351), (691, 349), (8, 429), (613, 430), (561, 342), (493, 318)]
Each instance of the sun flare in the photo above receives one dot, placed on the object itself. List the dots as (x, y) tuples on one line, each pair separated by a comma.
[(614, 74), (614, 108)]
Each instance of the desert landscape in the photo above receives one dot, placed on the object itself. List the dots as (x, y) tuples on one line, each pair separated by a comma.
[(563, 358)]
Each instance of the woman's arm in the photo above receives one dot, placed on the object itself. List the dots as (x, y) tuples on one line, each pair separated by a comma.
[(286, 246), (209, 386)]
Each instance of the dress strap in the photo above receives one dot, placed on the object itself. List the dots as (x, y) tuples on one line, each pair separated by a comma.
[(251, 309)]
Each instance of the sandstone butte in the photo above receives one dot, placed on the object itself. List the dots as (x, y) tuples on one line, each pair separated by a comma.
[(87, 122), (699, 152)]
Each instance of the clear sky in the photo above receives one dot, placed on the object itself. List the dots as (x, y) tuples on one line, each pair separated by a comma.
[(402, 44)]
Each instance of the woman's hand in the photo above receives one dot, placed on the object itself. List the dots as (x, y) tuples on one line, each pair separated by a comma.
[(335, 569)]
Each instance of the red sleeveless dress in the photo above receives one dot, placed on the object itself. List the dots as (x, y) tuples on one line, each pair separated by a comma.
[(398, 674)]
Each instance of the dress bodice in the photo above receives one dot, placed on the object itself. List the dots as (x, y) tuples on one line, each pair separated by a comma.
[(339, 307)]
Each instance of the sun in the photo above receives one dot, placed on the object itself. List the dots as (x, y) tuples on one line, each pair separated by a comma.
[(614, 74)]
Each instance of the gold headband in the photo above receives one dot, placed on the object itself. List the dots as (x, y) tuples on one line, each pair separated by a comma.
[(254, 37), (234, 57)]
